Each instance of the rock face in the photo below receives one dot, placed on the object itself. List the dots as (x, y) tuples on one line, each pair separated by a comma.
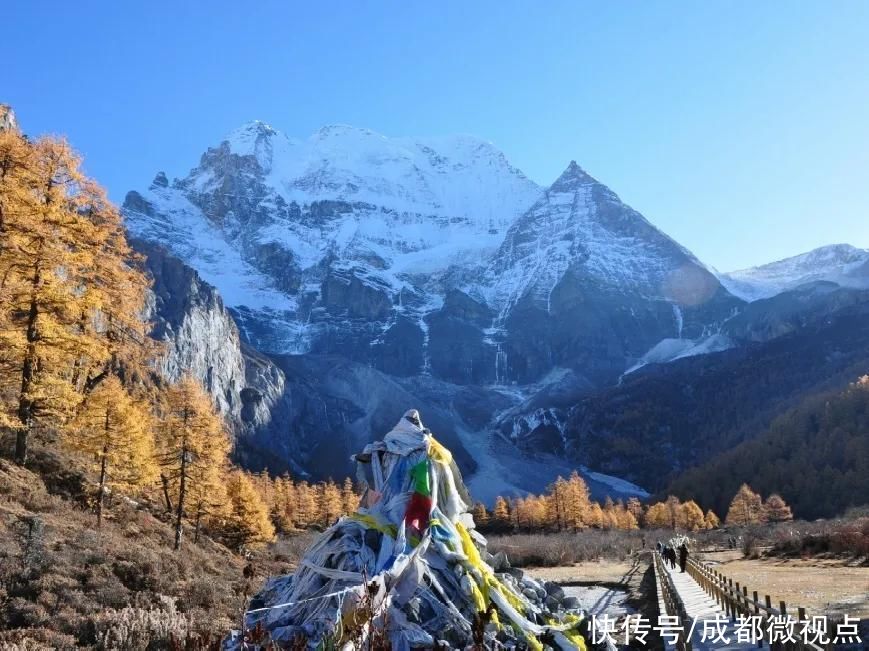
[(7, 118), (202, 339)]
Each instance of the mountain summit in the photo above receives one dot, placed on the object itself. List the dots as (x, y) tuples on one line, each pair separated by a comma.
[(428, 267)]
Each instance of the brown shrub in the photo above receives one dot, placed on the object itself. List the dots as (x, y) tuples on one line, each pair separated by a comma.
[(551, 549)]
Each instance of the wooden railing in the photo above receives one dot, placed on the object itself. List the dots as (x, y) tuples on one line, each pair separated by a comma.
[(673, 603), (733, 598)]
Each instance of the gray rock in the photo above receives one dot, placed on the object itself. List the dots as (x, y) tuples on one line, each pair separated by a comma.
[(500, 562), (515, 572), (554, 590), (571, 603)]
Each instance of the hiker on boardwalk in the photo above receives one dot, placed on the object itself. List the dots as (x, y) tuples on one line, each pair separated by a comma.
[(683, 556), (669, 556)]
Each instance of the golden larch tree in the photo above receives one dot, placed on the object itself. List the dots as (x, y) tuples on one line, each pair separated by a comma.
[(331, 505), (692, 517), (745, 508), (114, 432), (636, 508), (501, 513), (595, 517), (247, 523), (578, 502), (711, 520), (308, 511), (658, 516), (349, 497), (481, 515), (674, 508), (192, 447), (284, 509), (776, 509), (65, 269)]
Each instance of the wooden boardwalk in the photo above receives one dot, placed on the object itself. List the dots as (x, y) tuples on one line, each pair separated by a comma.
[(705, 615)]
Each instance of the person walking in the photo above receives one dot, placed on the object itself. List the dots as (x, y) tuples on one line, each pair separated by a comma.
[(683, 556)]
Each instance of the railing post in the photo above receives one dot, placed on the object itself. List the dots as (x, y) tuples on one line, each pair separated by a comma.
[(801, 617), (754, 598), (738, 600), (784, 613), (768, 601)]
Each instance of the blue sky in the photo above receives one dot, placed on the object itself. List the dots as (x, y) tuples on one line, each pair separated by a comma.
[(739, 128)]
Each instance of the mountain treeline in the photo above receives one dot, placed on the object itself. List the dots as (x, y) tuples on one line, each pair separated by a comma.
[(78, 368), (816, 456)]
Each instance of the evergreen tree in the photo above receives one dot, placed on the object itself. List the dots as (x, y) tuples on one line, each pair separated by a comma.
[(192, 448), (113, 430)]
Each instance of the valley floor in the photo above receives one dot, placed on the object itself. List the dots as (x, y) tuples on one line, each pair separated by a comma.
[(830, 586)]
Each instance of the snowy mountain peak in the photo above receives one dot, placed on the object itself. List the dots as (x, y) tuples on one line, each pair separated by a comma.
[(248, 133), (844, 264), (572, 178)]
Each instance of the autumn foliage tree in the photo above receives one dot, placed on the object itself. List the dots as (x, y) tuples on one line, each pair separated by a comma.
[(70, 287), (246, 523), (776, 509), (112, 429), (692, 518), (192, 449), (746, 507), (712, 521)]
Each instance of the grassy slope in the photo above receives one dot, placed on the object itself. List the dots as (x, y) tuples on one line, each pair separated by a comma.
[(62, 582)]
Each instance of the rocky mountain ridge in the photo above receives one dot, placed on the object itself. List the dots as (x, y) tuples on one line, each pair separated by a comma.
[(842, 264), (366, 274)]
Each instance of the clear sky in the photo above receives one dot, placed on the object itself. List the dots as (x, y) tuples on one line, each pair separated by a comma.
[(739, 128)]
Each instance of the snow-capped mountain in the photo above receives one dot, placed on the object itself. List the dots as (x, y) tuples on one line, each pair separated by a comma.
[(842, 264), (425, 256), (381, 271), (292, 232)]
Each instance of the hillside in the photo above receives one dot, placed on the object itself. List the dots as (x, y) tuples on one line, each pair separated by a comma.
[(816, 455), (664, 419), (63, 583)]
